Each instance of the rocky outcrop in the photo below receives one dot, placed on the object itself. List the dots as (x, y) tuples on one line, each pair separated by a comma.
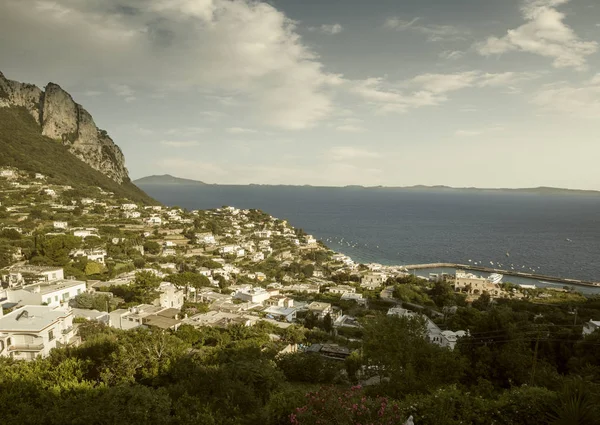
[(62, 119)]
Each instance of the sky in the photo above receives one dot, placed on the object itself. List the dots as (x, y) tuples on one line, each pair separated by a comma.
[(464, 93)]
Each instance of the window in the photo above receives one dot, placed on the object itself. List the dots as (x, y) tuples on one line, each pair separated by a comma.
[(65, 296), (56, 298), (49, 300), (79, 291), (51, 335)]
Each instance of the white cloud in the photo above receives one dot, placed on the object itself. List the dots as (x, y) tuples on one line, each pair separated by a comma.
[(582, 101), (432, 31), (186, 131), (350, 128), (122, 90), (92, 93), (240, 130), (242, 46), (344, 153), (429, 89), (544, 34), (330, 29), (180, 143), (452, 54), (477, 132)]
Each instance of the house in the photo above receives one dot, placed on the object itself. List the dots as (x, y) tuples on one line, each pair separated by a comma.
[(21, 275), (435, 335), (154, 220), (84, 233), (253, 295), (373, 280), (474, 286), (257, 257), (351, 296), (279, 301), (52, 294), (49, 192), (330, 351), (342, 289), (32, 331), (263, 234), (97, 254), (132, 214), (60, 225), (590, 327), (91, 315), (320, 309), (310, 240), (260, 276), (167, 252), (39, 176), (7, 173), (87, 201), (170, 296), (206, 238), (282, 314), (129, 207), (301, 287)]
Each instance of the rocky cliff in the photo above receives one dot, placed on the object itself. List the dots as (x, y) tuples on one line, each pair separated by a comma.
[(62, 119)]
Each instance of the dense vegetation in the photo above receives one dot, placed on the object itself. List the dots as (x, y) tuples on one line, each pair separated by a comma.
[(24, 147), (522, 364)]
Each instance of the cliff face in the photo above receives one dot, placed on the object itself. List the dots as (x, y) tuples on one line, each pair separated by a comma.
[(62, 119)]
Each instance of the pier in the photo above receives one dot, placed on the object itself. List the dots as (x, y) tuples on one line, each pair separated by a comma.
[(504, 272)]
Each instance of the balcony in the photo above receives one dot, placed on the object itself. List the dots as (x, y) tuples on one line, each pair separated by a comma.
[(26, 347), (68, 330)]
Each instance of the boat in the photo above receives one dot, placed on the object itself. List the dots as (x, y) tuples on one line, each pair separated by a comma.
[(495, 277)]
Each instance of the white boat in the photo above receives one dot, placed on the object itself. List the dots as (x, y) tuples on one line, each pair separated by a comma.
[(495, 277)]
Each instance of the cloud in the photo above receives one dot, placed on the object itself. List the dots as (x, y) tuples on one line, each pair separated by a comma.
[(582, 100), (244, 47), (186, 131), (330, 29), (429, 89), (544, 34), (433, 32), (344, 153), (92, 93), (239, 130), (350, 128), (180, 143), (452, 54), (477, 132)]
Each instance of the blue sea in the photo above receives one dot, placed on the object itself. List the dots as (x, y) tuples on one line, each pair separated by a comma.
[(557, 235)]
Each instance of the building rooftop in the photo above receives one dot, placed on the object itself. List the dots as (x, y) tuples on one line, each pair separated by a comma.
[(32, 318), (53, 287)]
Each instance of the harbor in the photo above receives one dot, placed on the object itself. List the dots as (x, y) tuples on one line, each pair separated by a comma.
[(536, 278)]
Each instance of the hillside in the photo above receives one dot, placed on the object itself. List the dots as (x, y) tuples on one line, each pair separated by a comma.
[(166, 179), (24, 147)]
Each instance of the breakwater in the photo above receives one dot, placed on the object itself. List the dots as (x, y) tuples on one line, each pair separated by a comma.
[(536, 276)]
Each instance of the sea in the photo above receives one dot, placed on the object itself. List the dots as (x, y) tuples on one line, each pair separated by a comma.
[(550, 234)]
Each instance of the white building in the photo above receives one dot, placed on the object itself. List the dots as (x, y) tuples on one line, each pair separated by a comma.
[(84, 233), (60, 224), (435, 335), (154, 220), (98, 255), (49, 192), (263, 234), (33, 330), (474, 285), (320, 309), (132, 214), (310, 240), (22, 275), (373, 280), (206, 238), (254, 295), (282, 314), (590, 327), (52, 294), (342, 289), (129, 207), (7, 173), (170, 296)]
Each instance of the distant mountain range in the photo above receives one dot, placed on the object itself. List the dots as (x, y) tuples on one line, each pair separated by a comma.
[(169, 180)]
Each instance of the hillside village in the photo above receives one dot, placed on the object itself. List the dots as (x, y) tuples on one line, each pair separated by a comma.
[(79, 265), (128, 265)]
